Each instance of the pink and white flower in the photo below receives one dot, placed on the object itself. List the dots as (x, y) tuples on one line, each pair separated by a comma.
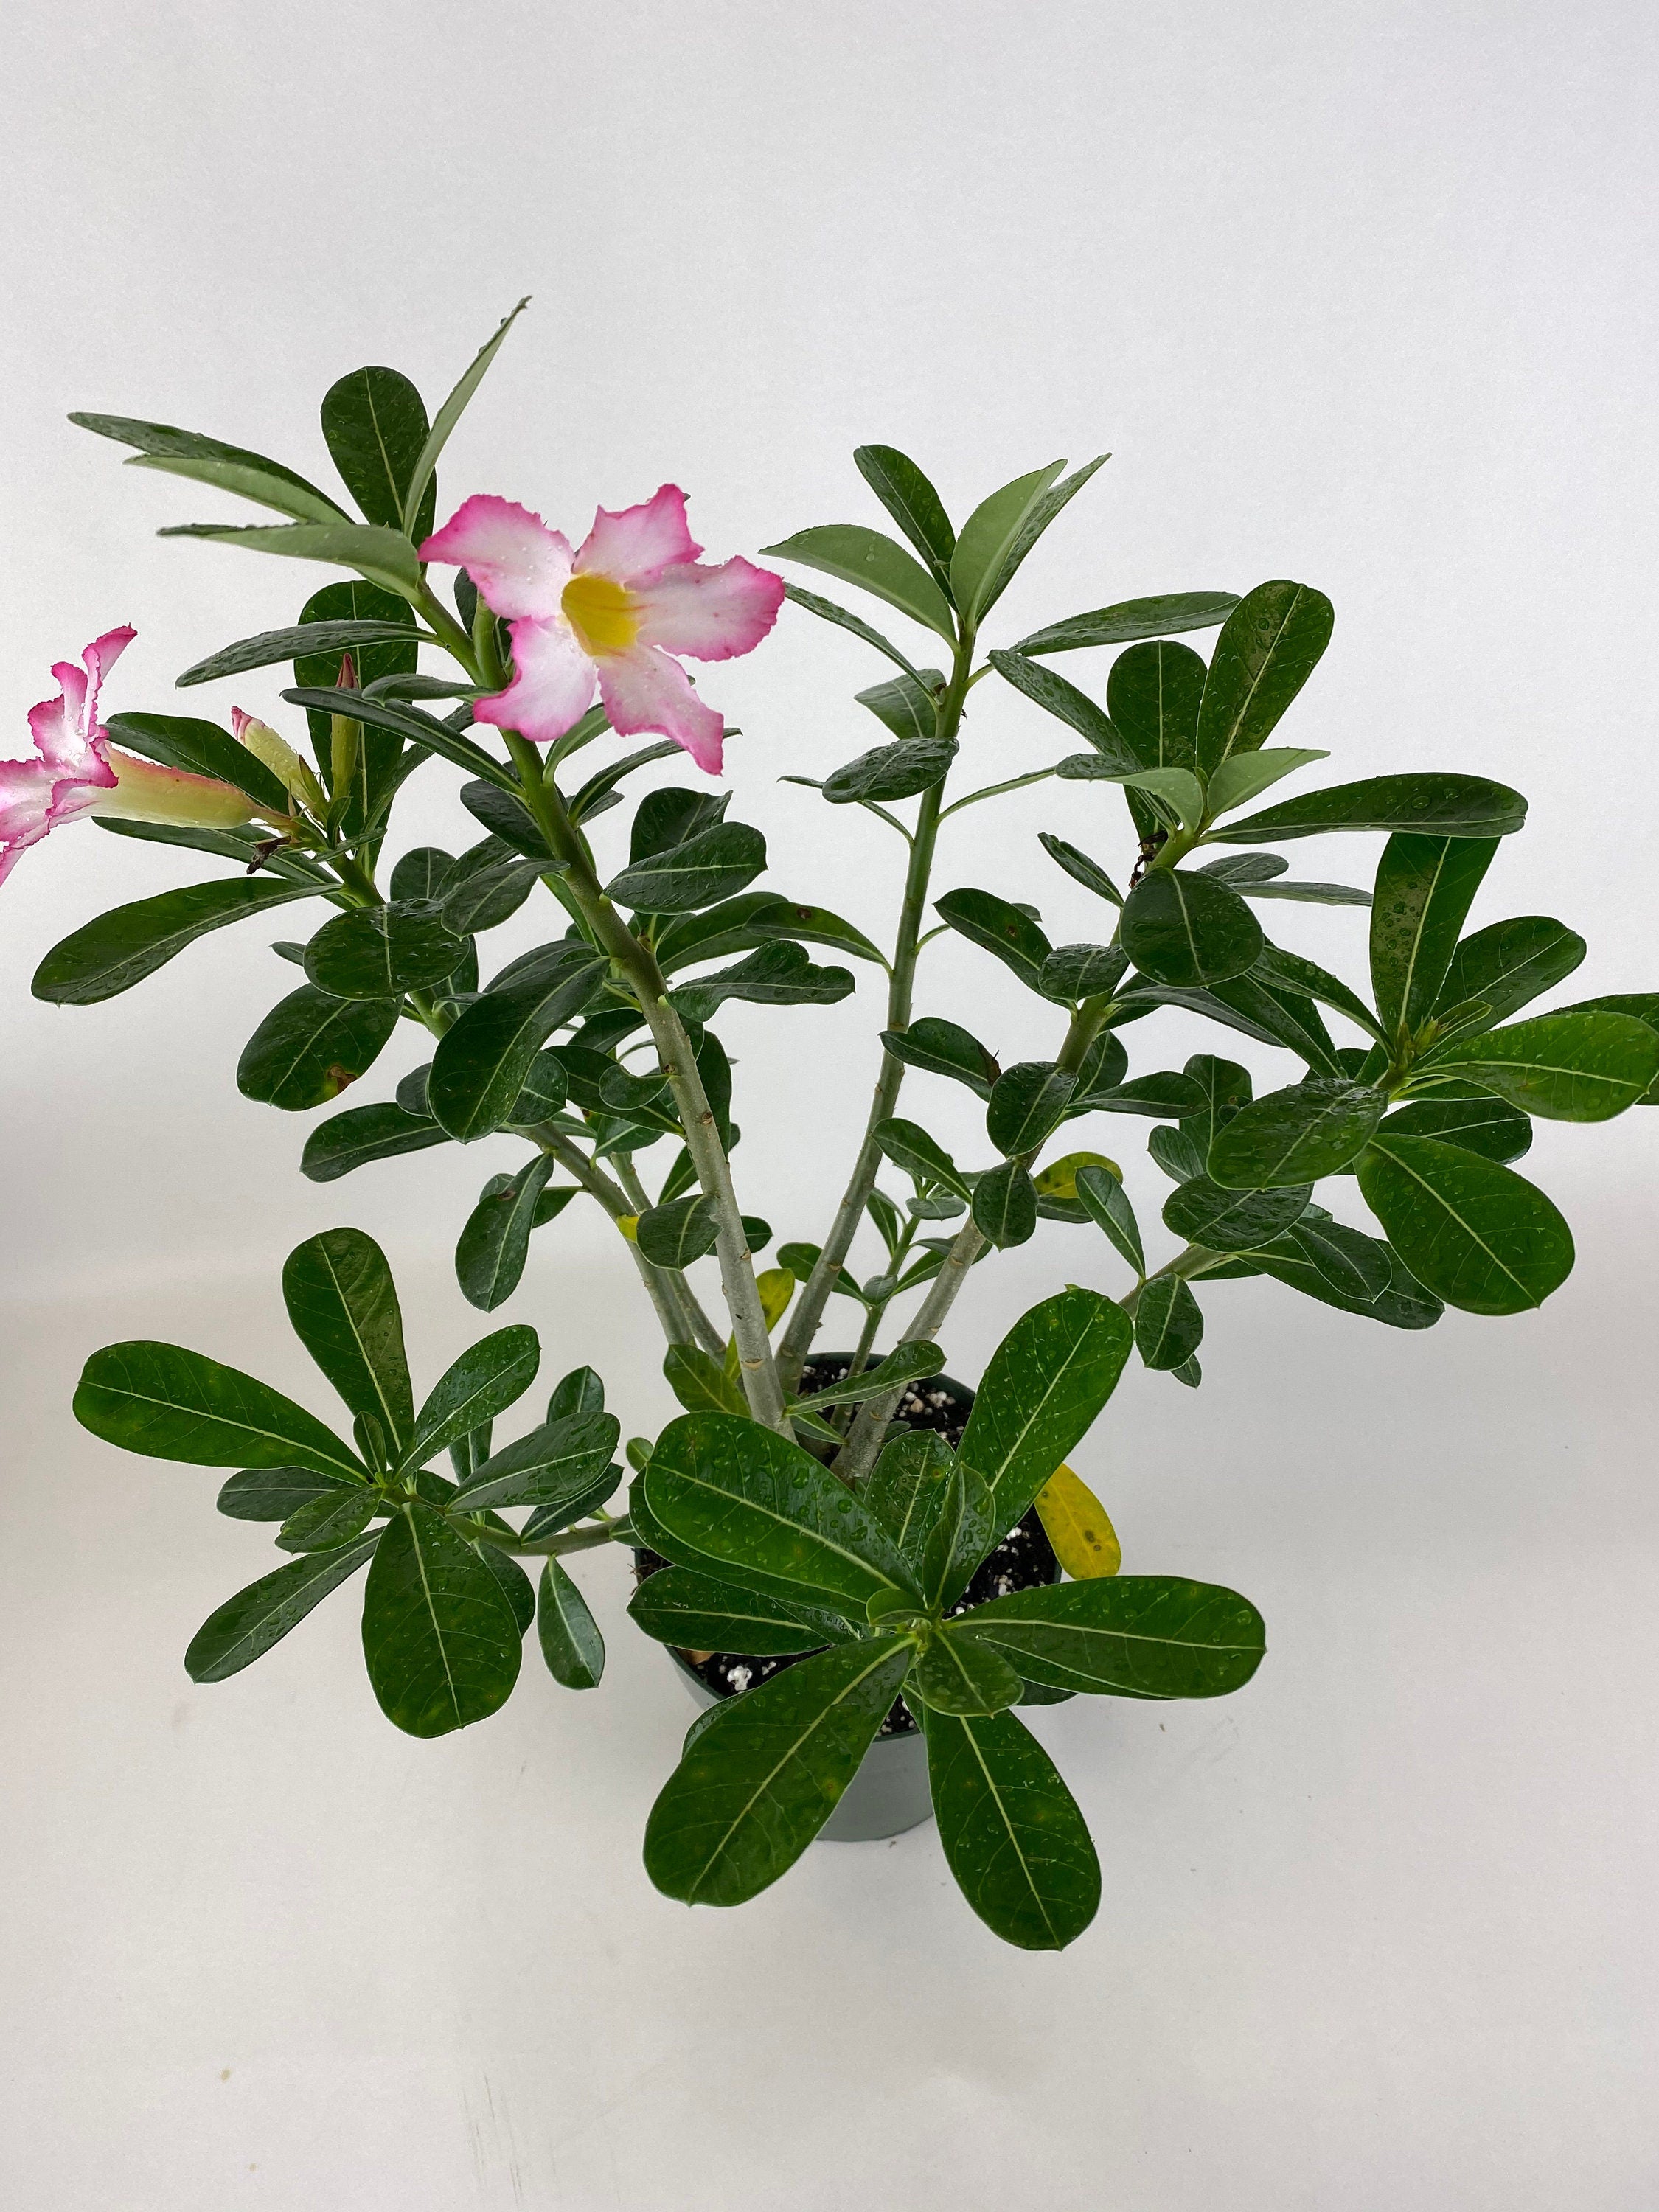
[(77, 771), (613, 613)]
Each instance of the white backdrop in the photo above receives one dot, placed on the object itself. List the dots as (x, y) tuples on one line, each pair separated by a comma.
[(1362, 296)]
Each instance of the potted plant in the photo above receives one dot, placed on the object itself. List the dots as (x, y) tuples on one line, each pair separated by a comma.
[(855, 1556)]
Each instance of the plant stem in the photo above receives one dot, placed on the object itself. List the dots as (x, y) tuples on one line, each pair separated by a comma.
[(634, 961), (815, 1295), (568, 1540), (701, 1330)]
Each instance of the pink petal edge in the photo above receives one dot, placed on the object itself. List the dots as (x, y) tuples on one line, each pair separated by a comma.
[(519, 566), (713, 613), (551, 689), (644, 690), (635, 544)]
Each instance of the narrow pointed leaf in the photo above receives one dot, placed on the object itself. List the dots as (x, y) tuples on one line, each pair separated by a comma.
[(210, 460), (1107, 1203), (383, 557), (1081, 868), (914, 504), (1509, 963), (246, 1626), (1053, 693), (913, 1361), (988, 538), (1424, 888), (1431, 805), (120, 948), (697, 1613), (1129, 619), (343, 1305), (1043, 1387), (827, 610), (363, 1133), (487, 1378), (450, 414), (272, 645), (855, 554)]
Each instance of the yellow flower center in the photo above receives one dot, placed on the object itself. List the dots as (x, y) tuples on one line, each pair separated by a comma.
[(602, 613)]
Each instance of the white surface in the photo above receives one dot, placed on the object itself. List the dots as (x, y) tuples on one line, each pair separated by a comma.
[(1362, 296)]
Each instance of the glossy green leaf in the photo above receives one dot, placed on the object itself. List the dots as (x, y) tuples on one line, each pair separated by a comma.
[(481, 1063), (1254, 1009), (1186, 929), (674, 1236), (965, 1528), (380, 761), (201, 748), (991, 922), (778, 975), (956, 1673), (401, 721), (1203, 1212), (910, 1147), (343, 1306), (855, 554), (1643, 1005), (1354, 1265), (119, 949), (910, 1362), (1432, 804), (1075, 708), (912, 501), (1269, 648), (701, 1383), (1027, 1105), (246, 1626), (1005, 1205), (440, 1638), (560, 1461), (516, 1586), (1014, 1839), (1510, 964), (490, 1254), (486, 886), (1162, 1097), (1295, 1136), (909, 1487), (1306, 1259), (1241, 777), (1044, 1386), (450, 414), (1476, 1234), (363, 1133), (211, 461), (1424, 888), (1107, 1203), (1461, 1115), (272, 645), (375, 426), (759, 1781), (908, 709), (812, 925), (944, 1048), (570, 1639), (988, 538), (888, 772), (323, 1524), (311, 1046), (1180, 1152), (383, 557), (768, 1513), (697, 1613), (711, 865), (1129, 619), (1153, 695), (1127, 1636), (1303, 978), (381, 952), (1562, 1067), (486, 1379), (827, 610), (1042, 511), (169, 1403), (1081, 868), (271, 1493), (1168, 1325)]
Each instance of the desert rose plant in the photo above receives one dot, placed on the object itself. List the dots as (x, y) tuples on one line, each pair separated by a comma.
[(815, 1518)]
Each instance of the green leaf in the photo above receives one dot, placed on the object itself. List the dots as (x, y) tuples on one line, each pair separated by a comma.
[(381, 952), (1187, 929), (1309, 894), (119, 948), (1081, 868), (1643, 1005), (697, 1613), (559, 1464), (888, 772), (380, 763), (485, 887), (1424, 888), (1153, 694), (913, 1361), (1168, 1324), (1041, 512), (343, 1305), (209, 460), (914, 504), (323, 1524), (908, 709), (375, 423), (450, 414), (701, 1383), (1255, 1010), (481, 1063), (363, 1133), (683, 939), (1289, 972), (812, 925), (490, 1255), (778, 975), (827, 610), (1509, 963), (1354, 1265), (1108, 1205), (200, 748), (570, 1639), (1239, 779), (675, 1235), (440, 1636), (710, 866), (1223, 1220), (383, 556), (169, 1403), (311, 1045), (963, 1530), (1433, 805), (760, 1778), (1180, 792), (261, 1493), (311, 638), (1075, 708), (1162, 1097), (1477, 1122), (766, 1513), (1303, 1258), (1476, 1234), (1027, 1105), (955, 1673), (1044, 1386), (988, 538), (246, 1626), (486, 1379), (992, 923), (945, 1048), (910, 1147), (1295, 1136), (1562, 1067), (1269, 648), (856, 556), (1129, 619), (1005, 1205), (909, 1487), (1127, 1636), (1014, 1839), (516, 1586)]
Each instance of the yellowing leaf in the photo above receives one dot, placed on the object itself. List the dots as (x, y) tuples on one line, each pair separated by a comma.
[(1060, 1180), (1085, 1543), (777, 1286), (629, 1225)]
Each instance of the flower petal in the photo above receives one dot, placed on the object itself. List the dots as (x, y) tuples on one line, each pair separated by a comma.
[(101, 655), (26, 788), (519, 566), (643, 689), (640, 543), (713, 613), (552, 688)]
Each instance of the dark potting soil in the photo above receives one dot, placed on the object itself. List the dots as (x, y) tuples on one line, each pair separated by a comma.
[(1024, 1559)]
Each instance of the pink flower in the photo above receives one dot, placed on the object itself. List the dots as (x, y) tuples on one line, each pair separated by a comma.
[(77, 771), (613, 613)]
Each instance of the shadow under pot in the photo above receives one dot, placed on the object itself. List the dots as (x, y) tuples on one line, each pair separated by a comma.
[(889, 1794)]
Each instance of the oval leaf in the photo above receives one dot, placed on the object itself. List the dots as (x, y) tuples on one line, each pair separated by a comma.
[(1013, 1837), (169, 1403), (440, 1638), (1479, 1236), (1189, 930)]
